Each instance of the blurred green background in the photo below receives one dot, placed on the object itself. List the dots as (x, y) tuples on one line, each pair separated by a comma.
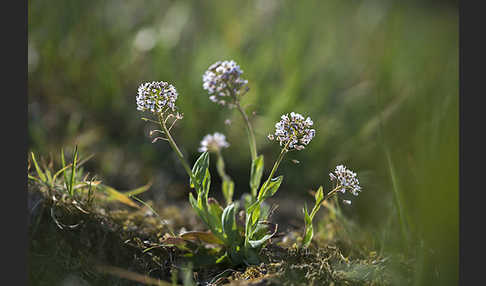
[(379, 79)]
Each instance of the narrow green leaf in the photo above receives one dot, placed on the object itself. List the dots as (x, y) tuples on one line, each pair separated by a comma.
[(263, 228), (256, 243), (260, 242), (222, 258), (270, 188), (197, 208), (64, 167), (138, 190), (206, 183), (59, 172), (192, 201), (73, 170), (319, 195), (215, 208), (255, 215), (33, 178), (252, 217), (228, 187), (256, 174), (215, 211), (49, 177), (309, 230), (229, 223), (199, 170), (38, 169)]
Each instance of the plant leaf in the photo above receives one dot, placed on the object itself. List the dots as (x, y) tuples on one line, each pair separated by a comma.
[(64, 167), (256, 174), (319, 196), (49, 176), (206, 183), (116, 195), (196, 206), (199, 170), (138, 190), (208, 237), (269, 188), (229, 223), (59, 172), (309, 229), (73, 170), (174, 241), (215, 212), (41, 174), (214, 208), (33, 178), (259, 242), (228, 187)]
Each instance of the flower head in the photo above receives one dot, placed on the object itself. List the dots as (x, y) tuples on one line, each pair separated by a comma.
[(213, 143), (294, 130), (345, 180), (223, 82), (156, 97)]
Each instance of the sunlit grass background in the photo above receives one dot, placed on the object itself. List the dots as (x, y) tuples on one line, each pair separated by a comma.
[(379, 79)]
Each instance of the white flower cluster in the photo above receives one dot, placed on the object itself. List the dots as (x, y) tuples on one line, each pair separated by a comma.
[(346, 180), (294, 130), (223, 78), (156, 97), (213, 142)]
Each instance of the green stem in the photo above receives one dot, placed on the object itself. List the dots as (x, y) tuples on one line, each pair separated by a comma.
[(331, 193), (220, 167), (275, 165), (227, 186), (175, 148), (249, 130)]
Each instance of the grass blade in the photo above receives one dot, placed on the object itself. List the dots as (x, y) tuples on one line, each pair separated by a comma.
[(73, 170), (41, 174), (64, 167)]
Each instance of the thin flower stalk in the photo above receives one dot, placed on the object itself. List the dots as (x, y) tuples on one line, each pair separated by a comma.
[(174, 146), (228, 184), (249, 130), (275, 166)]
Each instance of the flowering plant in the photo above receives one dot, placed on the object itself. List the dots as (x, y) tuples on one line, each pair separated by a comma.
[(241, 241)]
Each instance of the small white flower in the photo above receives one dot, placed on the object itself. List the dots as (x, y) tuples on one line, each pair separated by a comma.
[(156, 97), (222, 80), (345, 180), (294, 130), (213, 143)]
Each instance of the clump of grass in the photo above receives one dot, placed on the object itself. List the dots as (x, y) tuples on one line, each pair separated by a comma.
[(71, 186)]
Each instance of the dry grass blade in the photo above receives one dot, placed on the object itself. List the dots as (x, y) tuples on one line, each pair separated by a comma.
[(116, 195), (203, 236)]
